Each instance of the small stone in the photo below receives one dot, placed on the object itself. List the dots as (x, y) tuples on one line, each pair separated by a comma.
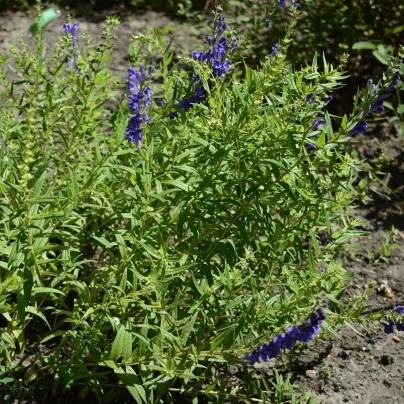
[(313, 374), (385, 290), (395, 338)]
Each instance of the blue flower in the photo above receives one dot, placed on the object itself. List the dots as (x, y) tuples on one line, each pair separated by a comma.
[(303, 333), (316, 124), (281, 3), (399, 310), (310, 146), (275, 49), (328, 99), (295, 5), (267, 22), (373, 89), (360, 127), (217, 58), (310, 98), (71, 30), (139, 98), (377, 105), (389, 326)]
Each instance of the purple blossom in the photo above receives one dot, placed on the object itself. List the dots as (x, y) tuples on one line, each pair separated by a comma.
[(281, 3), (329, 98), (389, 326), (275, 49), (377, 105), (217, 58), (303, 333), (267, 22), (399, 326), (360, 127), (373, 89), (71, 30), (295, 5), (385, 94), (395, 79), (310, 98), (310, 146), (139, 98), (317, 124), (399, 310)]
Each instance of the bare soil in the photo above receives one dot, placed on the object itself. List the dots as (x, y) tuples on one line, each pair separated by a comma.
[(355, 369)]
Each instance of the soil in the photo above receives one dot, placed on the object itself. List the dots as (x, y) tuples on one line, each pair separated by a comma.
[(353, 369)]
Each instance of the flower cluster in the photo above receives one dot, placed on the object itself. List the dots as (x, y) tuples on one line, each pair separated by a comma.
[(377, 104), (139, 98), (310, 98), (275, 49), (217, 58), (71, 30), (303, 333), (295, 5), (389, 326), (282, 3)]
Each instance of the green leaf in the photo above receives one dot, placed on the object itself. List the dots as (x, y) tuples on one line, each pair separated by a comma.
[(189, 325), (130, 380), (382, 54), (177, 184), (217, 341), (321, 140), (117, 345), (33, 310), (53, 335), (364, 45), (47, 290)]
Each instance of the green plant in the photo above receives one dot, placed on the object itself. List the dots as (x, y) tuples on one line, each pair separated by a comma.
[(389, 244), (146, 267)]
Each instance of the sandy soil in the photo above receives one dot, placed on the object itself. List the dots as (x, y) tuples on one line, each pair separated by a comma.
[(354, 369)]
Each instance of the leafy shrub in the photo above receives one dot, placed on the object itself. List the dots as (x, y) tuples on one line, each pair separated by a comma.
[(148, 267)]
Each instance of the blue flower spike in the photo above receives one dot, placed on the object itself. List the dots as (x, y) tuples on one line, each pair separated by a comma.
[(71, 30), (377, 104), (275, 49), (302, 333), (139, 99), (217, 58)]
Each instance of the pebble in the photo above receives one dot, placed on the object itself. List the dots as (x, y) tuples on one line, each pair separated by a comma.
[(395, 338), (313, 374)]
